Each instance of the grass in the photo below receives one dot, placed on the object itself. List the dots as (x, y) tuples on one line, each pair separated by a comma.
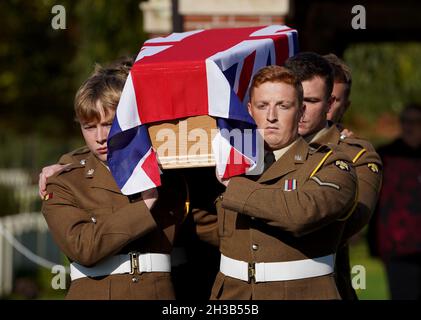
[(376, 287)]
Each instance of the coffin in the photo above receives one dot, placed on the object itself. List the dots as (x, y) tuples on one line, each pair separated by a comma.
[(190, 146), (181, 94)]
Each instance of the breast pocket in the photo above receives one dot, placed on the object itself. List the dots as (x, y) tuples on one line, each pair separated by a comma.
[(226, 221)]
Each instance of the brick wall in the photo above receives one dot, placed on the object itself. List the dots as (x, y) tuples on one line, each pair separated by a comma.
[(192, 22), (205, 14)]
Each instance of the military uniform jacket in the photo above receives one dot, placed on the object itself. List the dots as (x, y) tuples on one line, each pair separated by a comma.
[(368, 165), (90, 219), (368, 168), (292, 212)]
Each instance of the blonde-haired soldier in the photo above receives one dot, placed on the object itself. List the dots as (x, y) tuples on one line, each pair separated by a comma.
[(119, 246)]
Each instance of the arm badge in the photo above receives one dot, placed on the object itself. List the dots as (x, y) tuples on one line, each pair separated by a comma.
[(373, 167), (342, 165)]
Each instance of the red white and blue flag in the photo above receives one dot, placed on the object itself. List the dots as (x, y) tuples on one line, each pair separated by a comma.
[(202, 72)]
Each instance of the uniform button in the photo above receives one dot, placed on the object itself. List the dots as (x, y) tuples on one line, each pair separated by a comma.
[(90, 172), (255, 246), (93, 219), (135, 279), (253, 218), (83, 162), (221, 197)]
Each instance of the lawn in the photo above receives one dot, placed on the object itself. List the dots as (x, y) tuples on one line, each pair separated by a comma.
[(376, 283)]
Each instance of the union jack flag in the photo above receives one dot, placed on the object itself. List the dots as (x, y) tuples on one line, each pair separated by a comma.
[(202, 72)]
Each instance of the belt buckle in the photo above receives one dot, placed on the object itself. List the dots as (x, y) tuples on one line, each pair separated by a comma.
[(134, 263), (251, 272)]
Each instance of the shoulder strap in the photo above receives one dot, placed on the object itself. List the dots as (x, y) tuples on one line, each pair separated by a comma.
[(359, 154), (321, 163)]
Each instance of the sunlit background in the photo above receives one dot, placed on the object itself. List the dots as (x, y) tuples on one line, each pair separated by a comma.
[(41, 69)]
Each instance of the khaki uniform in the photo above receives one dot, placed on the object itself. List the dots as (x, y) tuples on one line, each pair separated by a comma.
[(90, 220), (368, 165), (259, 221)]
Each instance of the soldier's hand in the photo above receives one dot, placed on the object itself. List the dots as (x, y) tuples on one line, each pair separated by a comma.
[(347, 133), (45, 174), (149, 197)]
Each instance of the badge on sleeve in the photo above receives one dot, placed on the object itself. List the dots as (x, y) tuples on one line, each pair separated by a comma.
[(373, 167), (342, 165), (290, 184)]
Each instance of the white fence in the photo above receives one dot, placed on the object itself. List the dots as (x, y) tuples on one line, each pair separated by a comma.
[(17, 250)]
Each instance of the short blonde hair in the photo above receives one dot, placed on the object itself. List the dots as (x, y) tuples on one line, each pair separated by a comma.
[(105, 86), (277, 74)]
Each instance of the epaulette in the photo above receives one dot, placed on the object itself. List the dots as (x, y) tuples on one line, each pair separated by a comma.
[(75, 156), (358, 142), (327, 149), (318, 147), (68, 168), (363, 147), (81, 150)]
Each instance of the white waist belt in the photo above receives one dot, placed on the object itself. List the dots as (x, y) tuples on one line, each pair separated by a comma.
[(277, 271), (124, 263)]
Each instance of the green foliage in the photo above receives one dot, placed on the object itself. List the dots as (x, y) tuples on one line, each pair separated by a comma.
[(386, 76), (106, 30), (41, 68), (34, 151)]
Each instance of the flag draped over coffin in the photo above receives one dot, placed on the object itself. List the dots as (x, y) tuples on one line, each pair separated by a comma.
[(202, 72)]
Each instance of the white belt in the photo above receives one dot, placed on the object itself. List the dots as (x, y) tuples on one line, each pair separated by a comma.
[(277, 271), (124, 263)]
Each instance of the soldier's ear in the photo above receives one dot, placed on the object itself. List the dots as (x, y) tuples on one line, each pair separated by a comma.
[(249, 108)]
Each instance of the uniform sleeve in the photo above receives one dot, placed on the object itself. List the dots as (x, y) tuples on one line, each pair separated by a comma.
[(318, 202), (369, 173), (87, 241), (206, 226)]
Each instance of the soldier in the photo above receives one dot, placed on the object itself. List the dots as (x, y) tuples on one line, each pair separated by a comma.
[(194, 263), (278, 233), (318, 78), (119, 246), (342, 82)]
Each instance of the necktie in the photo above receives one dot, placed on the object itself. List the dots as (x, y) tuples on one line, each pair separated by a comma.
[(269, 159)]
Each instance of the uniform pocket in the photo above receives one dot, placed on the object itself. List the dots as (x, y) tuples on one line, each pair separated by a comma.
[(217, 287), (89, 289), (226, 222), (164, 289)]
